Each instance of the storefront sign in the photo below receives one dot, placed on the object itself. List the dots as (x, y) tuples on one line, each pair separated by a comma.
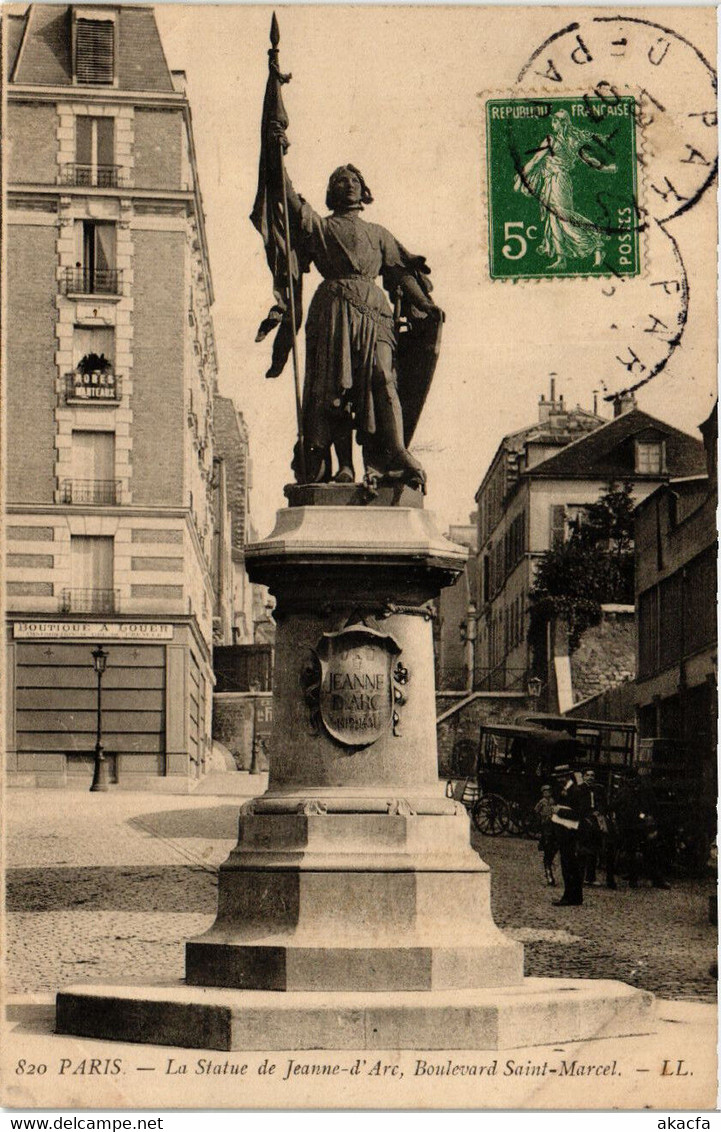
[(91, 630), (93, 387)]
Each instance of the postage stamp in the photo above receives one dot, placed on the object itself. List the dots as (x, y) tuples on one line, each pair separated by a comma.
[(562, 187)]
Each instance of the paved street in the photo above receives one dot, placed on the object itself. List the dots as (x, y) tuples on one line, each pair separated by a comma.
[(108, 886)]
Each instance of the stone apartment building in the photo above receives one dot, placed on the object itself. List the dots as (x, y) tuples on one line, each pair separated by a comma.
[(538, 483), (233, 619), (110, 377)]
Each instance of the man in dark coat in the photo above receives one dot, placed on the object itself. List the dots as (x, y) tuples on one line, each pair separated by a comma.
[(636, 815), (572, 813)]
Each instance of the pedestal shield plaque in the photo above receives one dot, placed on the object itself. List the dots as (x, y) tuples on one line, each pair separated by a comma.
[(356, 694)]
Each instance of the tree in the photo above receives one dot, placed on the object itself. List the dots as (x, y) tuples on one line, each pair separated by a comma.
[(593, 567)]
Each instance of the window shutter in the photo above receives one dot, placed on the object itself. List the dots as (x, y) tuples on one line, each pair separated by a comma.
[(94, 51), (558, 525)]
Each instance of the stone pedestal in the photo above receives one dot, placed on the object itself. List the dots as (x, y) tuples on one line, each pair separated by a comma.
[(353, 889), (340, 880)]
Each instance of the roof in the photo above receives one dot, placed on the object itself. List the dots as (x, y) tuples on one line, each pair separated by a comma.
[(14, 25), (681, 486), (609, 451), (562, 428), (44, 58)]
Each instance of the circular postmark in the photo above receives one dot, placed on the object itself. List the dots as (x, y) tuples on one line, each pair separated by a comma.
[(675, 87), (641, 320)]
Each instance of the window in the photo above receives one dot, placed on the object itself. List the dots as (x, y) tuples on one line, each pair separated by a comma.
[(95, 151), (486, 578), (95, 258), (649, 457), (93, 347), (93, 468), (94, 51), (648, 633), (91, 571), (93, 377), (558, 526), (576, 515)]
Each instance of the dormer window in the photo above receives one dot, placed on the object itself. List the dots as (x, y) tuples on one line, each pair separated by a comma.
[(95, 49), (650, 457)]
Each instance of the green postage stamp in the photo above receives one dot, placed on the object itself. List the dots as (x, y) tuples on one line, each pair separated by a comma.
[(562, 187)]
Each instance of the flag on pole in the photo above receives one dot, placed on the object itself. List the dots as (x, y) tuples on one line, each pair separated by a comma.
[(269, 219)]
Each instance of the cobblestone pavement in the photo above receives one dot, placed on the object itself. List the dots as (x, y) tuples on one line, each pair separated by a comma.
[(109, 886), (657, 939)]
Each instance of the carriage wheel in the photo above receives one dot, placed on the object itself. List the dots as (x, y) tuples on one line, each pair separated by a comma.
[(490, 815)]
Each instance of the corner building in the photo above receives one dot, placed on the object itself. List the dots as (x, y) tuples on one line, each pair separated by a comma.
[(110, 377), (541, 480)]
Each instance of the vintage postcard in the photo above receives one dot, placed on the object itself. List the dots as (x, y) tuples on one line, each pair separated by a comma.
[(359, 407)]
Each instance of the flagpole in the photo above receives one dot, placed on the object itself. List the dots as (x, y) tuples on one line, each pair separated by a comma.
[(273, 54)]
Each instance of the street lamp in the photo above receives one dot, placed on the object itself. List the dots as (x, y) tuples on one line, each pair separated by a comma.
[(100, 768), (535, 686)]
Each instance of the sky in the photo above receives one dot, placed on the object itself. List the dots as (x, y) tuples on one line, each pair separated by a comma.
[(399, 92)]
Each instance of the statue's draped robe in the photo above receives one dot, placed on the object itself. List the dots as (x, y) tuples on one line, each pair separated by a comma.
[(349, 314)]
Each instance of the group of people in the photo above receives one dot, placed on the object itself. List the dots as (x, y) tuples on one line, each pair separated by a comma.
[(589, 828)]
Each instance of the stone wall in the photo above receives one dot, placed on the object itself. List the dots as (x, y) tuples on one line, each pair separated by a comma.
[(465, 724), (606, 656), (233, 717)]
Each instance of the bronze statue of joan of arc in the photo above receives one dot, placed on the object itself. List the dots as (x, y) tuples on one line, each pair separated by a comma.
[(368, 366)]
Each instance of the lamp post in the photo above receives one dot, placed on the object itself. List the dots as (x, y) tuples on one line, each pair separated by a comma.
[(535, 687), (100, 769), (469, 635), (254, 687)]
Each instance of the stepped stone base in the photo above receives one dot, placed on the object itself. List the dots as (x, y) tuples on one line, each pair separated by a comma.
[(534, 1012)]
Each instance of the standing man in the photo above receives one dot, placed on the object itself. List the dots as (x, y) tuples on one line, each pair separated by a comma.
[(591, 837), (572, 809)]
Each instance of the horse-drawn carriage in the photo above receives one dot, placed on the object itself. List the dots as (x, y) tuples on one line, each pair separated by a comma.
[(499, 779)]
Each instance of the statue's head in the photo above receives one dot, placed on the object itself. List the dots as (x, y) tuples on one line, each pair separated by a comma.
[(560, 122), (347, 189)]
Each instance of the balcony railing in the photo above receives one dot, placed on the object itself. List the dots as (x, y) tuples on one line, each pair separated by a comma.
[(94, 176), (93, 281), (97, 388), (90, 491), (89, 601)]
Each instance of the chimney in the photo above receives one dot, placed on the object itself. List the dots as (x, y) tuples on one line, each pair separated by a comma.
[(623, 403), (548, 408)]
